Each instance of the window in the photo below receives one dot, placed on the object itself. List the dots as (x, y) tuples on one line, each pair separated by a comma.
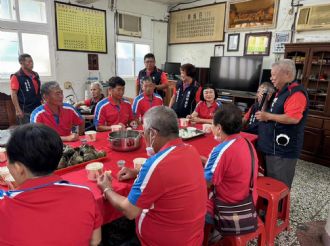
[(7, 10), (130, 58), (25, 29), (32, 10)]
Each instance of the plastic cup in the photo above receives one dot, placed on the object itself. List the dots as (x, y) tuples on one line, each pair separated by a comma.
[(94, 170)]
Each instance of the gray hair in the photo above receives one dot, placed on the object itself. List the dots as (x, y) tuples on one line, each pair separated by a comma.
[(163, 119), (286, 65), (48, 86), (98, 84)]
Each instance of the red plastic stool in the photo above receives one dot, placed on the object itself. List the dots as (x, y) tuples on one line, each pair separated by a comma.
[(273, 191), (241, 240)]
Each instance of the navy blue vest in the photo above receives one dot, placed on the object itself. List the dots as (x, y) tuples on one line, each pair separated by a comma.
[(185, 101), (155, 75), (27, 98), (93, 104), (278, 139), (252, 126)]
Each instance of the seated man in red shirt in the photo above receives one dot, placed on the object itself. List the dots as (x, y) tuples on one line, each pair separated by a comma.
[(44, 209), (62, 117), (229, 166), (207, 105), (146, 100), (96, 92), (113, 110), (168, 198)]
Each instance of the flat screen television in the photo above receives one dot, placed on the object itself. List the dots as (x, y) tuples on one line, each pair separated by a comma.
[(236, 73), (172, 68)]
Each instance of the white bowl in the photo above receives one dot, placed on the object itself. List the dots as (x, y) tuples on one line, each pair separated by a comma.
[(90, 136), (115, 128)]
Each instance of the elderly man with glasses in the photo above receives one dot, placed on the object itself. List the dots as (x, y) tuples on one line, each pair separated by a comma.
[(168, 197)]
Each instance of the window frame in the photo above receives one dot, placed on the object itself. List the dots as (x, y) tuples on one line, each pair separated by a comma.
[(19, 27), (134, 43)]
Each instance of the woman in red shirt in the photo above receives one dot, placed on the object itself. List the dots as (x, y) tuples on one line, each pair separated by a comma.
[(207, 106)]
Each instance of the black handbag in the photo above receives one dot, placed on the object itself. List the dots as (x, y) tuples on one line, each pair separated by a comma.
[(238, 218)]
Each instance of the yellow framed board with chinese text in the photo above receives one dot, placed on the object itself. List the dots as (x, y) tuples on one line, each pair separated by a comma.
[(198, 24), (80, 28)]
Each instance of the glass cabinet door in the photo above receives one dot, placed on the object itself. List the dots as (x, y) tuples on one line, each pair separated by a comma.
[(300, 59), (318, 81)]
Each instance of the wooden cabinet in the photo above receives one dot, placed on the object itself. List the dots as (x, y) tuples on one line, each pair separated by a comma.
[(7, 112), (312, 62)]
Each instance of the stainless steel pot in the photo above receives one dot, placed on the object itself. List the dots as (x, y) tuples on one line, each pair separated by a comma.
[(127, 140)]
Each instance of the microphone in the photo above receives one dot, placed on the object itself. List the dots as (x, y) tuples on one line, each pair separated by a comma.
[(263, 100)]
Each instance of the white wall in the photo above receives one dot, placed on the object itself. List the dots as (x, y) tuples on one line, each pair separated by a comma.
[(199, 54), (73, 66)]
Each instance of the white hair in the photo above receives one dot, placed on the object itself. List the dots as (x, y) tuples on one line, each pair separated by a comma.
[(286, 65), (98, 84)]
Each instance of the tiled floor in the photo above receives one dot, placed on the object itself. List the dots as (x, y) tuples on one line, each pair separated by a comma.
[(310, 199)]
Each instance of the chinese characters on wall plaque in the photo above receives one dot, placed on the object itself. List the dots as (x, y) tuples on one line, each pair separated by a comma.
[(197, 25), (80, 28)]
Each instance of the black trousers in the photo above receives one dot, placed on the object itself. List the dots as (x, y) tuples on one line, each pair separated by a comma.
[(279, 168)]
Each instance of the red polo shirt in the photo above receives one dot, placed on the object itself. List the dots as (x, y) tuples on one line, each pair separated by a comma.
[(14, 84), (63, 123), (142, 103), (171, 190), (295, 105), (206, 112), (229, 169), (108, 113), (57, 214)]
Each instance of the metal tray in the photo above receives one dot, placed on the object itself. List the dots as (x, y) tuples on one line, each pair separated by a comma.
[(198, 134)]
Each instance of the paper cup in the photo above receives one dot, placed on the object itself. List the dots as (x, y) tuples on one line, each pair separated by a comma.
[(90, 136), (116, 128), (207, 128), (10, 181), (184, 122), (3, 154), (4, 172), (138, 162), (94, 170)]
